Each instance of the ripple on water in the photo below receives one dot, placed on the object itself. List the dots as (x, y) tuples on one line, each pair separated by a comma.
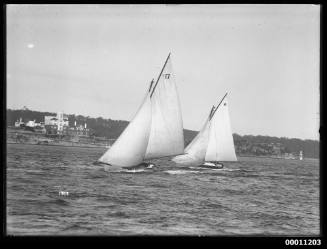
[(254, 196)]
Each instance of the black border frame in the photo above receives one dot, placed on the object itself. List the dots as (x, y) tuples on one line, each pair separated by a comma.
[(217, 241)]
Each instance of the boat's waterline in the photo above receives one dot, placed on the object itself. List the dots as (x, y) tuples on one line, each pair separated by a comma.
[(116, 168)]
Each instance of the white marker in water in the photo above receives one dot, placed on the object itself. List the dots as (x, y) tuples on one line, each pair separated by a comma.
[(63, 193), (150, 166)]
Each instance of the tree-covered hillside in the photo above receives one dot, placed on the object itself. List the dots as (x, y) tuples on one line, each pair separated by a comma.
[(245, 145)]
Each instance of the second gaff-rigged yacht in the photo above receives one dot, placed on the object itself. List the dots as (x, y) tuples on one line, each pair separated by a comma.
[(214, 143)]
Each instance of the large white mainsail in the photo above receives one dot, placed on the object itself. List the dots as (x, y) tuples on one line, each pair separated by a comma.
[(157, 128), (130, 147), (221, 144), (166, 135)]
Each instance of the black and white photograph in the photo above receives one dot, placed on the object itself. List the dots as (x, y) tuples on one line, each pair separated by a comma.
[(163, 120)]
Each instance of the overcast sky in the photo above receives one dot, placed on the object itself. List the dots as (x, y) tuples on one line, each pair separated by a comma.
[(98, 60)]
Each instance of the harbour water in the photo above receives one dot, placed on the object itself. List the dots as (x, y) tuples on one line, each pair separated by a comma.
[(255, 196)]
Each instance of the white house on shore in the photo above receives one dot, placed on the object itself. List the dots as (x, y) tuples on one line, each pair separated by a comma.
[(19, 123), (61, 121)]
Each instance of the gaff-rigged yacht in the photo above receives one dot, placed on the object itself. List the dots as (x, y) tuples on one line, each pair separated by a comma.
[(155, 131), (214, 143)]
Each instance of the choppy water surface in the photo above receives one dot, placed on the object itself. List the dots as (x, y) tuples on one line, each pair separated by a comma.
[(253, 196)]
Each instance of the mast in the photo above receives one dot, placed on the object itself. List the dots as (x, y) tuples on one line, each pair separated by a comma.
[(151, 85), (211, 112), (218, 106), (160, 75)]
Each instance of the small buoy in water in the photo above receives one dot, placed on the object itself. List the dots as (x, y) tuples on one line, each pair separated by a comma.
[(150, 166), (63, 193)]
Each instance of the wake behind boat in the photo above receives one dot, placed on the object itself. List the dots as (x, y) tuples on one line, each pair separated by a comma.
[(214, 143), (155, 131)]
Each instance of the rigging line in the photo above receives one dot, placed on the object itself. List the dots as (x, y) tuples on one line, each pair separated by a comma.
[(159, 76), (218, 105)]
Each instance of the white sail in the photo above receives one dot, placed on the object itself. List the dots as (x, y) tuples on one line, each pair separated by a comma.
[(129, 149), (157, 128), (221, 144), (196, 150), (166, 135)]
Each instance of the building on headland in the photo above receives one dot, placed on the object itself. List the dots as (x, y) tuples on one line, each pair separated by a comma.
[(19, 123), (34, 124), (61, 121), (289, 156), (59, 125), (56, 129), (79, 130), (30, 125), (56, 124)]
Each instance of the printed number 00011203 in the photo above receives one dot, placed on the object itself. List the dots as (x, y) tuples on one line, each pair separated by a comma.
[(304, 242)]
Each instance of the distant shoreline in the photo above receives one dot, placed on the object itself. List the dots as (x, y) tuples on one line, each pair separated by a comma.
[(103, 147), (273, 157), (62, 145)]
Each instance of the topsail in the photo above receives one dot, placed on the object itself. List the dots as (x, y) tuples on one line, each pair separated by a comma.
[(156, 130)]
